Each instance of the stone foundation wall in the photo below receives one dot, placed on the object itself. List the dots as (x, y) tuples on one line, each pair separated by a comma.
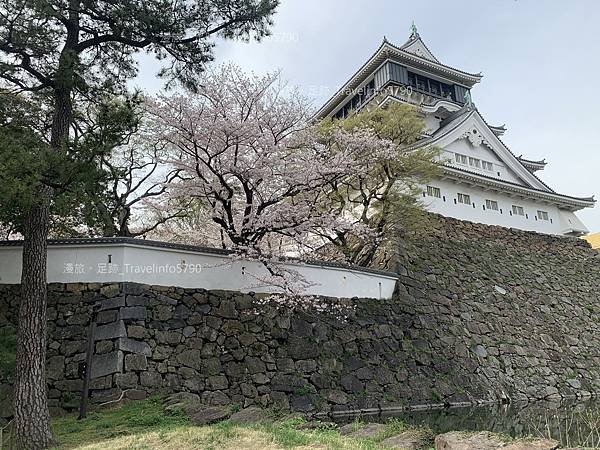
[(226, 346), (481, 314), (504, 313)]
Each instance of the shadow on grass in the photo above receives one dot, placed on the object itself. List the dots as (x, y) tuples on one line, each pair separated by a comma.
[(132, 418)]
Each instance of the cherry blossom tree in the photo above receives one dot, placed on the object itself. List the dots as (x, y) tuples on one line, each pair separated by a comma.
[(245, 149), (249, 154), (266, 181)]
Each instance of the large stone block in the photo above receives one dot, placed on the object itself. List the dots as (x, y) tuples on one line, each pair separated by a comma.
[(133, 313), (190, 358), (104, 347), (112, 303), (102, 382), (135, 362), (287, 383), (162, 312), (255, 365), (168, 337), (112, 330), (131, 346), (107, 364), (137, 332), (210, 415), (107, 316), (134, 289), (137, 300), (302, 348), (217, 382), (70, 348), (164, 299), (489, 441), (55, 368), (111, 290), (216, 398), (62, 333), (69, 385), (126, 380), (136, 394), (182, 312), (150, 379), (211, 366), (227, 310)]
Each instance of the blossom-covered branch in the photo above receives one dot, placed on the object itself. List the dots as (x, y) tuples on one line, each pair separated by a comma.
[(246, 150)]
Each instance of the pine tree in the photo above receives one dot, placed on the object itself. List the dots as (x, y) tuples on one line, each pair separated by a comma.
[(69, 51)]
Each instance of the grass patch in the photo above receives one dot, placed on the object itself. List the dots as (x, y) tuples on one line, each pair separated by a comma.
[(146, 425), (288, 434), (130, 419), (392, 428), (8, 344)]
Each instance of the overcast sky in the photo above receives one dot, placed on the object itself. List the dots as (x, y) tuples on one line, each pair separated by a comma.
[(539, 58)]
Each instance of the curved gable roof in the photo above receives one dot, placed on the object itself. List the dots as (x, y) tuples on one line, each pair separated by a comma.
[(458, 123), (416, 46), (465, 119)]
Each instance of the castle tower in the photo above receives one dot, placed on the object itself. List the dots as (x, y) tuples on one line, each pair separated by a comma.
[(482, 179)]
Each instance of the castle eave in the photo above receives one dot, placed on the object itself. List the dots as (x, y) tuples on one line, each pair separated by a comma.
[(533, 165)]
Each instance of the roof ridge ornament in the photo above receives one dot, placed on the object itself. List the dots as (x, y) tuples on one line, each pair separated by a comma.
[(413, 31)]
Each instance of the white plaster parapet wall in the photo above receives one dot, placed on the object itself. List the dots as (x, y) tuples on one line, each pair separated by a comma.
[(157, 263)]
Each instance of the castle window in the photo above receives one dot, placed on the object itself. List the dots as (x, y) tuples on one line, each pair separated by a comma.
[(433, 191), (447, 92), (434, 87), (412, 79), (542, 215), (487, 166), (518, 210), (474, 162), (491, 204), (361, 96), (465, 199), (461, 159), (370, 89), (431, 86)]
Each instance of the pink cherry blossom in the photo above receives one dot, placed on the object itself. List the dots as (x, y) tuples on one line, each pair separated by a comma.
[(247, 151)]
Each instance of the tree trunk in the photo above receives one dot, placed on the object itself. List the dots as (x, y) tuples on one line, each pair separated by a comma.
[(32, 420)]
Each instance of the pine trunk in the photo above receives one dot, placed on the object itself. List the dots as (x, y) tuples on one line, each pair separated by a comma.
[(32, 418), (32, 421)]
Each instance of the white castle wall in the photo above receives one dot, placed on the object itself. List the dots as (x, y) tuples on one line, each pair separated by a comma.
[(477, 214), (116, 262)]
